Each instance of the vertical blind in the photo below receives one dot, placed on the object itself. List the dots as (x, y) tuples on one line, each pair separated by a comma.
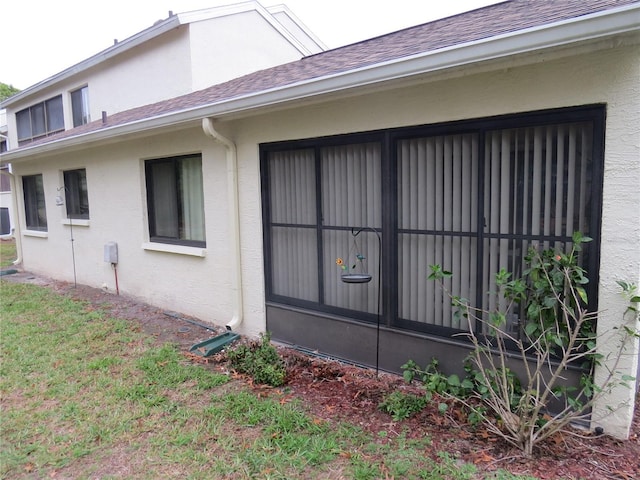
[(536, 194), (349, 198), (437, 220), (471, 202), (293, 216)]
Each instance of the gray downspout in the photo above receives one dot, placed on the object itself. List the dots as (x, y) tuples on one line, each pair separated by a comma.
[(234, 219)]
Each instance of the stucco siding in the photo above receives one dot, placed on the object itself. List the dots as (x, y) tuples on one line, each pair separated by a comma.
[(234, 45), (153, 71)]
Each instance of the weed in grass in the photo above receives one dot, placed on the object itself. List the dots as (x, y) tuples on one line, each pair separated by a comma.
[(504, 475), (166, 367), (104, 363), (448, 466), (364, 469)]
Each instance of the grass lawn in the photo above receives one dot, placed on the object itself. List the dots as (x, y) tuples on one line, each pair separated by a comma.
[(7, 252), (88, 396)]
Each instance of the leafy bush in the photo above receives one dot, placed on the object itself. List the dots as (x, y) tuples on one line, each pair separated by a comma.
[(402, 405), (558, 330), (434, 381), (260, 360)]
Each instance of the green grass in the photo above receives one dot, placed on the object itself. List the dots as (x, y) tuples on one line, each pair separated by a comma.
[(84, 395), (8, 253)]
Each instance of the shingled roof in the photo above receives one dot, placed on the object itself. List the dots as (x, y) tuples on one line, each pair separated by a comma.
[(484, 23)]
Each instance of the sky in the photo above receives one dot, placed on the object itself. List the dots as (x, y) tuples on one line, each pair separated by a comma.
[(43, 37)]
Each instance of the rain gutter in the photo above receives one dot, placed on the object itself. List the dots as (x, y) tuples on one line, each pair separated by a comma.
[(588, 27)]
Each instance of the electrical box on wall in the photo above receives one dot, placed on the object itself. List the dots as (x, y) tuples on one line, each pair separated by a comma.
[(111, 252)]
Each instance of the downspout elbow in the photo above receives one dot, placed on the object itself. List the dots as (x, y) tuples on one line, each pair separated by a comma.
[(234, 219)]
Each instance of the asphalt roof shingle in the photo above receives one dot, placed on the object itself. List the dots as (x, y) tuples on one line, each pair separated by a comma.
[(490, 21)]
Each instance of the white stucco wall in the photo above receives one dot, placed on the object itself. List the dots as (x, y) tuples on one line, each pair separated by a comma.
[(234, 45), (153, 71), (201, 286)]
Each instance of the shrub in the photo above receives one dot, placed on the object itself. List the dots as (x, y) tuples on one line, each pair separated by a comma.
[(402, 405), (558, 331), (260, 360)]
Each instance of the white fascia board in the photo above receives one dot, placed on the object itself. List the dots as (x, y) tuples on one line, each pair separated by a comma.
[(589, 27), (282, 8), (225, 10), (116, 49), (220, 11)]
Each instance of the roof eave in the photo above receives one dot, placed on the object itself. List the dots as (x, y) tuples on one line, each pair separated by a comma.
[(155, 30), (116, 49), (590, 27)]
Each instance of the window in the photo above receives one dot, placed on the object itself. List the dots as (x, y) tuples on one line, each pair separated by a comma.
[(471, 196), (41, 119), (5, 182), (5, 223), (34, 206), (80, 106), (175, 200), (75, 191), (306, 235)]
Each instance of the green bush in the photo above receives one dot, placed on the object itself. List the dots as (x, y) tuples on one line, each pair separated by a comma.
[(260, 360), (402, 405)]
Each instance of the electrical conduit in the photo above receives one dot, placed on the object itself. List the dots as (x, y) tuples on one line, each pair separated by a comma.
[(234, 219)]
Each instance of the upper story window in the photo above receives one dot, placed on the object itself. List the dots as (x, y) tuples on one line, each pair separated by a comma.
[(76, 196), (5, 183), (35, 212), (80, 106), (40, 119), (175, 200)]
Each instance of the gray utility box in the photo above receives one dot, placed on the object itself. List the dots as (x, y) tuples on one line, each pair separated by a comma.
[(111, 252)]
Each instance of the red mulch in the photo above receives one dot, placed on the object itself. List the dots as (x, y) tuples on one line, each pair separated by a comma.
[(342, 392)]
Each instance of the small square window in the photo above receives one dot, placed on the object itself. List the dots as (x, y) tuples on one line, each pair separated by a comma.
[(175, 200), (75, 191), (35, 211)]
